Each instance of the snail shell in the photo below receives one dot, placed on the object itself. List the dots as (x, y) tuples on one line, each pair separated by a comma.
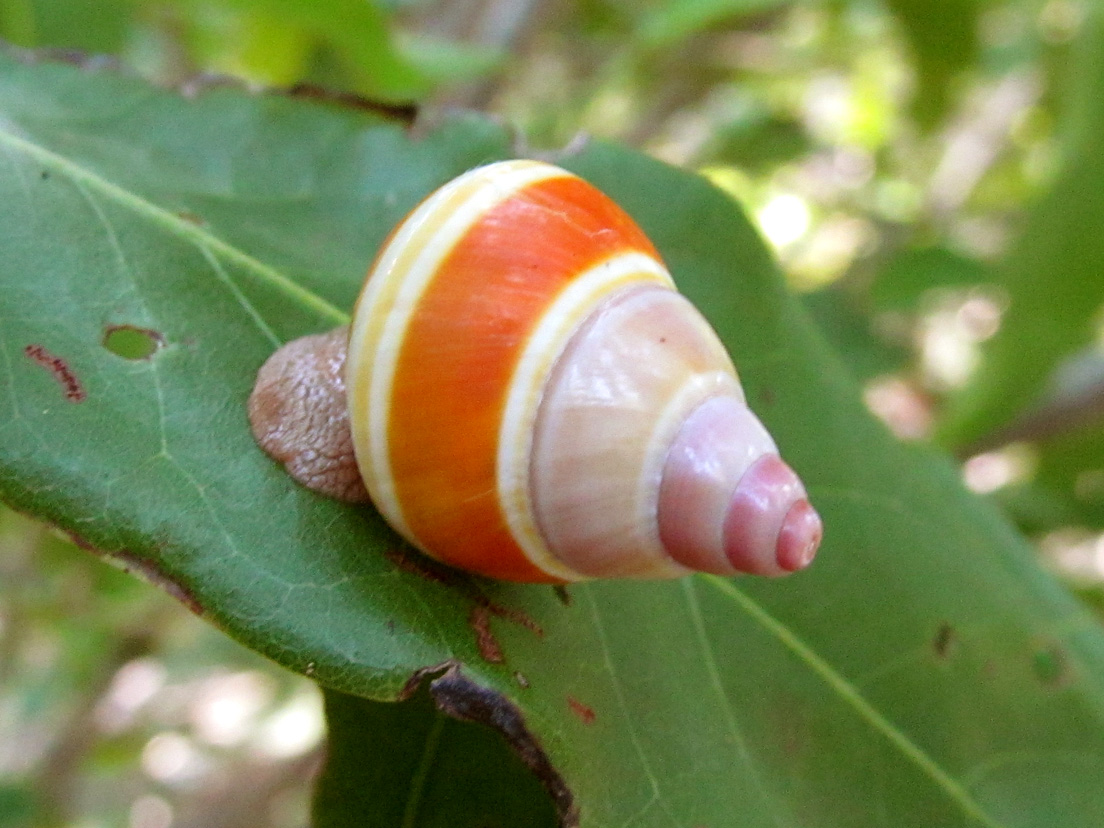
[(529, 398)]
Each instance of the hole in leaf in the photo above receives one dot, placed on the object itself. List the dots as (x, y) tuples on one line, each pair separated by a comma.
[(131, 342), (945, 641), (1050, 665)]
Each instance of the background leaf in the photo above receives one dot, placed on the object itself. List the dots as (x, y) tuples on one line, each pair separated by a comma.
[(1051, 272), (943, 38), (409, 764), (924, 672), (71, 24), (913, 273), (668, 22)]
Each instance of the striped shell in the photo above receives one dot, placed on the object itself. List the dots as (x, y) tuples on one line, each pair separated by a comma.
[(530, 399)]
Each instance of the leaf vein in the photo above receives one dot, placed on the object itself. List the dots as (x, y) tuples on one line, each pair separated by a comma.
[(172, 223), (851, 696), (689, 588), (600, 630)]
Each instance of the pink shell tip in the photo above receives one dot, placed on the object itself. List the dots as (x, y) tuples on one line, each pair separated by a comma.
[(799, 537), (770, 529)]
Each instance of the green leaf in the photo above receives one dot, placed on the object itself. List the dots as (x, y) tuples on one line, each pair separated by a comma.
[(756, 140), (269, 48), (409, 764), (924, 672), (278, 37), (942, 35), (444, 61), (17, 806), (70, 24), (665, 23), (1052, 270), (851, 332), (1071, 471), (908, 276)]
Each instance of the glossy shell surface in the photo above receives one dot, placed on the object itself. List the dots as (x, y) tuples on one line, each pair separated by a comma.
[(519, 366)]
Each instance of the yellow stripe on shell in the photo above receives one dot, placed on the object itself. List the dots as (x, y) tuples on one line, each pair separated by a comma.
[(401, 274), (558, 324)]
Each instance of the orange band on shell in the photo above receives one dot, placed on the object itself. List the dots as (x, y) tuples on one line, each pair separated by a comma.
[(460, 351)]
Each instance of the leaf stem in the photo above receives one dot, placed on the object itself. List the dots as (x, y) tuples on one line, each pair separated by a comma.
[(418, 782)]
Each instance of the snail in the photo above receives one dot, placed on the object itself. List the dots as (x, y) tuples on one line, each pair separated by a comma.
[(523, 394)]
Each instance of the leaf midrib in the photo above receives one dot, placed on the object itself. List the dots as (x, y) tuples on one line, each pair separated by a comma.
[(175, 225)]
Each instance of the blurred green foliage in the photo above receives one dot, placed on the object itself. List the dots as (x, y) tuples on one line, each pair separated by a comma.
[(350, 44), (115, 701), (928, 173)]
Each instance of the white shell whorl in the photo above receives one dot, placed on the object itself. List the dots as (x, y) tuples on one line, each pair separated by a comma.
[(647, 462), (614, 403)]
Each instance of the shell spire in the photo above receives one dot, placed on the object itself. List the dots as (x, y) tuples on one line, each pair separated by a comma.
[(728, 503)]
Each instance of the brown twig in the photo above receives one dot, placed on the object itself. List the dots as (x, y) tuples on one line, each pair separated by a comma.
[(1061, 414), (59, 770)]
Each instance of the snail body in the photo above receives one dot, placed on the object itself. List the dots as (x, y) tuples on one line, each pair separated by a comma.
[(529, 398)]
